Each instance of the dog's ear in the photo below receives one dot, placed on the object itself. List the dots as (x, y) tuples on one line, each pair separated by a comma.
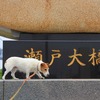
[(48, 64), (43, 64)]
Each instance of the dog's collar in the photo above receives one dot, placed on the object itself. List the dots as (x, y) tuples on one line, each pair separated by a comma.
[(38, 67)]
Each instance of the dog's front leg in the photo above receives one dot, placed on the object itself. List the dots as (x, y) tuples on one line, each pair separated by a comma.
[(27, 74), (39, 75)]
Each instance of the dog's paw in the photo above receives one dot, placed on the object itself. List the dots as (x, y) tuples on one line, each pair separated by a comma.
[(42, 77), (16, 78), (3, 78)]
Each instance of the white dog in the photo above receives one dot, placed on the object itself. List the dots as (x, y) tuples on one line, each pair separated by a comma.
[(25, 65)]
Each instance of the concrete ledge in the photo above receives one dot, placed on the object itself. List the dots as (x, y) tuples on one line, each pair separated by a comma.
[(53, 89), (1, 90)]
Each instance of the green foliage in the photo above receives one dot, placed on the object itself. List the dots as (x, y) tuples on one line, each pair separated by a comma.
[(6, 34), (0, 73)]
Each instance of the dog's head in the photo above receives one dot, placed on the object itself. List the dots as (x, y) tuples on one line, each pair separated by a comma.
[(44, 67)]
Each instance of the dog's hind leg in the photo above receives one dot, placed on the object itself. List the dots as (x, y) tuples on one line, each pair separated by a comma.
[(5, 73), (13, 71)]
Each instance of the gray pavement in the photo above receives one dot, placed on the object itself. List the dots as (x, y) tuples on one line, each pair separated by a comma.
[(51, 89)]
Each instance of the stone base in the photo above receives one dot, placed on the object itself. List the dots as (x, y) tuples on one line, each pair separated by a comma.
[(1, 90), (51, 90)]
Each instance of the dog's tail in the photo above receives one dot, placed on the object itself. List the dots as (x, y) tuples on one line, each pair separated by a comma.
[(5, 64)]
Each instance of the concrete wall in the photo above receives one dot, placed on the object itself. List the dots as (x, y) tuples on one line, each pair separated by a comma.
[(51, 90), (1, 90)]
